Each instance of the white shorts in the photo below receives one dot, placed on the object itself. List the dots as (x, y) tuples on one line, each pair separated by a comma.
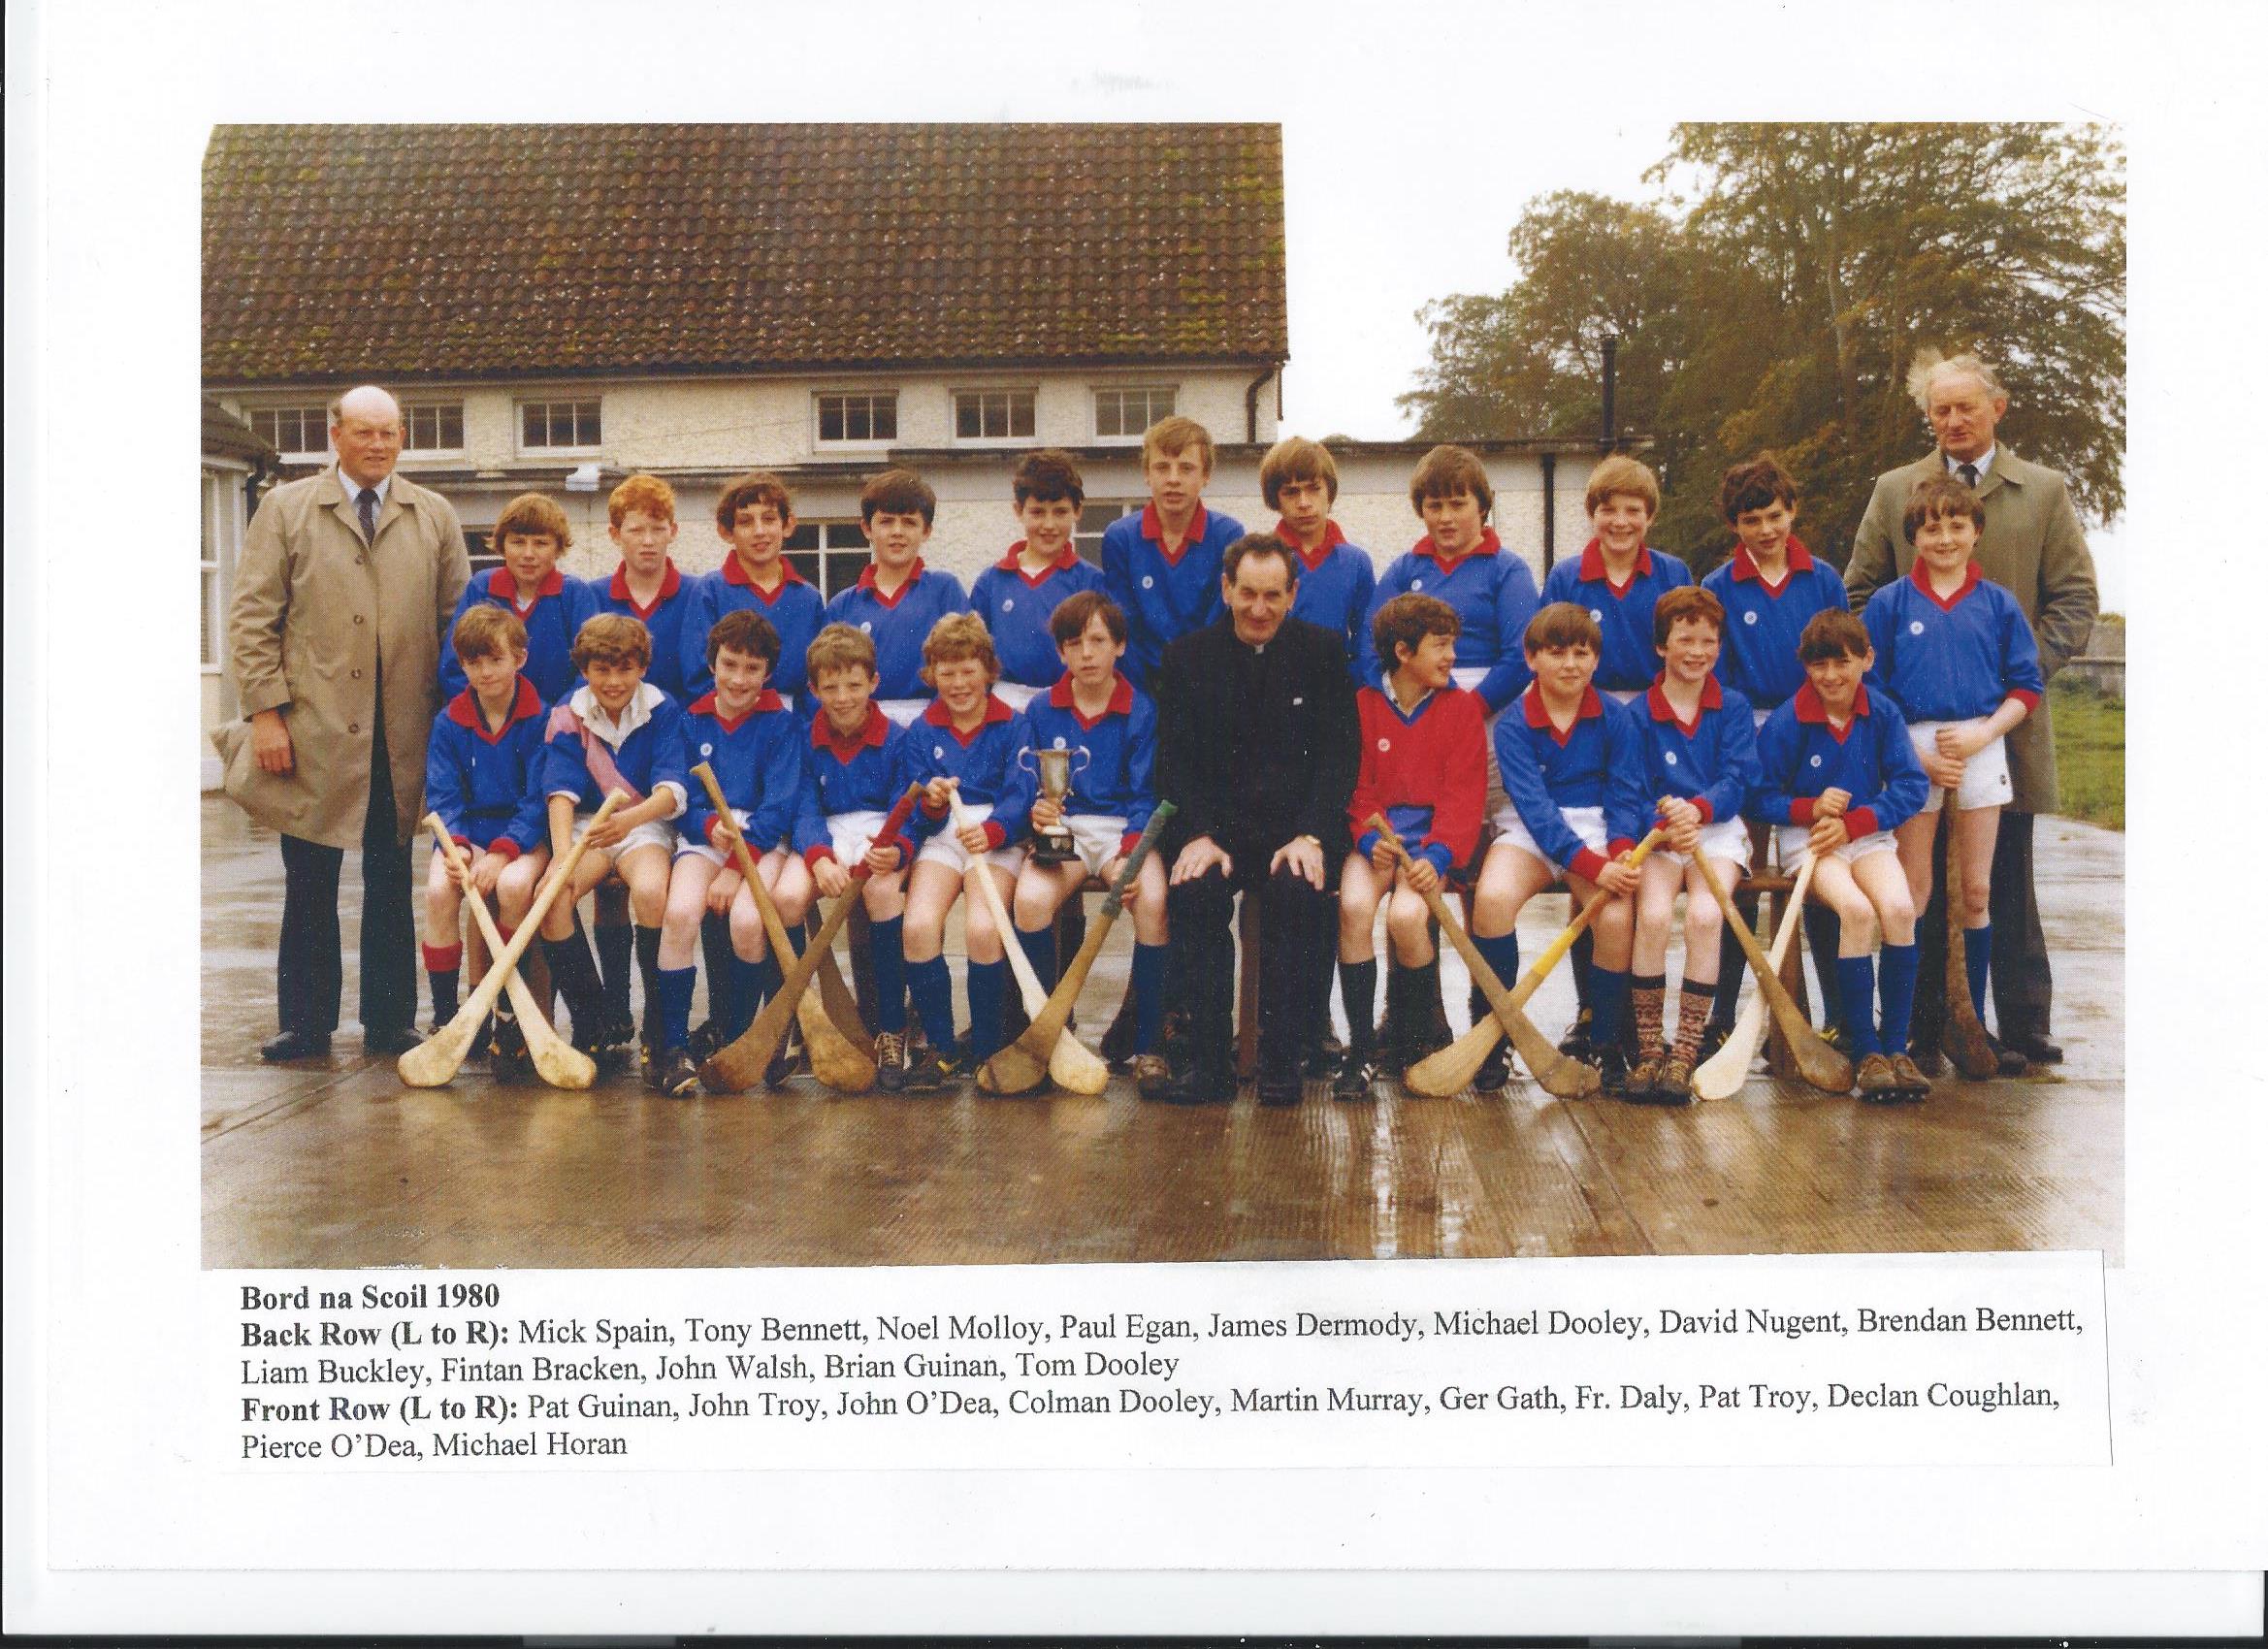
[(689, 848), (1724, 840), (1796, 847), (654, 833), (852, 834), (1014, 695), (1589, 824), (905, 712), (944, 847), (1984, 782), (1096, 836)]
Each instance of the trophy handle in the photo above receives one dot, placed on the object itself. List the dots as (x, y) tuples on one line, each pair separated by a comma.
[(1032, 766)]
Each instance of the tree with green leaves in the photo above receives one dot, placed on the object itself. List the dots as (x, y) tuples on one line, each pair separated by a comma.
[(1775, 295)]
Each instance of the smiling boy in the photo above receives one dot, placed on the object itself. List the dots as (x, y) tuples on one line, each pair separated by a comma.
[(1300, 481), (1162, 567), (641, 519), (1619, 577), (1018, 594), (754, 515), (530, 535), (899, 599)]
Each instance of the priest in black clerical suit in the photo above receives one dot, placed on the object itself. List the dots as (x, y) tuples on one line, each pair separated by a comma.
[(1258, 747)]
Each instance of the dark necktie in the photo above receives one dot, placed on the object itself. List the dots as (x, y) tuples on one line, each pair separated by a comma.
[(366, 505), (1967, 472)]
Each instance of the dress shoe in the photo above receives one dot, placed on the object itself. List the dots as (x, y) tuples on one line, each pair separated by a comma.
[(2034, 1045), (1195, 1086), (393, 1042), (295, 1045), (1282, 1091), (2010, 1062)]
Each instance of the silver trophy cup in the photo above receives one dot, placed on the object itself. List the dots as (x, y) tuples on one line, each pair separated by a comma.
[(1054, 765)]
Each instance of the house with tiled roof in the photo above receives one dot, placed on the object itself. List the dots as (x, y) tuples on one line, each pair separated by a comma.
[(560, 306)]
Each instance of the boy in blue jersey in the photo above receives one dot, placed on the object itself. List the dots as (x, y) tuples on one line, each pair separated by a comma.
[(616, 731), (1770, 586), (1700, 763), (1619, 577), (754, 515), (1959, 656), (1300, 480), (897, 599), (1574, 772), (641, 518), (966, 742), (1018, 595), (1162, 567), (754, 743), (530, 535), (480, 771), (1423, 769), (1110, 728), (1837, 775), (855, 768)]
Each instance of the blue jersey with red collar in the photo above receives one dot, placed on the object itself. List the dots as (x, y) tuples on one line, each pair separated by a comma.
[(649, 751), (983, 760), (1799, 754), (482, 784), (1951, 659), (1710, 763), (1598, 761), (1626, 662), (664, 621), (899, 623), (1334, 588), (1425, 769), (865, 773), (1763, 624), (1164, 598), (1016, 606), (1495, 597), (1119, 748), (759, 763), (562, 604), (794, 608)]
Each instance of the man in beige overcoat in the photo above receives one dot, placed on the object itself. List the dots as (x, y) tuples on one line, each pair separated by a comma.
[(2033, 547), (344, 583)]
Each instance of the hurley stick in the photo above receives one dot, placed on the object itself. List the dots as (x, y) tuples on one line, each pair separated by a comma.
[(1722, 1073), (557, 1062), (1816, 1060), (835, 1059), (1024, 1061), (1558, 1075), (1455, 1065), (1070, 1061), (1965, 1042), (435, 1061), (740, 1064)]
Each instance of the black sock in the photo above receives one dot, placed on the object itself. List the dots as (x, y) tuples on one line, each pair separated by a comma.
[(614, 945), (444, 996), (1358, 988), (578, 982), (649, 943), (1731, 969)]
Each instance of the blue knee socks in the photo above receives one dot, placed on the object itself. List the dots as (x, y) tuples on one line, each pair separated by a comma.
[(742, 996), (1039, 949), (1977, 951), (1149, 995), (1855, 982), (1502, 956), (676, 994), (988, 983), (932, 989), (1609, 1004), (887, 954), (1902, 964)]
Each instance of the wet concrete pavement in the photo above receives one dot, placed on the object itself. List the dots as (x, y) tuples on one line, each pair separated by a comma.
[(337, 1163)]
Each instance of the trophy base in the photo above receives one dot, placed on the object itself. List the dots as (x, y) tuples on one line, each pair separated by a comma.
[(1052, 849)]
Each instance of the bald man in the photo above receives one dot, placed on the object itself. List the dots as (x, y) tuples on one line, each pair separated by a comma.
[(335, 626)]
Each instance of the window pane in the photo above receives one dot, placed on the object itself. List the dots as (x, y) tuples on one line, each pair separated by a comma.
[(532, 428), (831, 417), (452, 428), (585, 423), (806, 566), (1019, 415), (968, 416), (843, 566), (885, 417)]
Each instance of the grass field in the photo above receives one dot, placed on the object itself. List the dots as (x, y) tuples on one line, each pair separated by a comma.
[(2091, 752)]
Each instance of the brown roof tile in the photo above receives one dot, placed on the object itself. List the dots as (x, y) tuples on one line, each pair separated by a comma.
[(340, 252)]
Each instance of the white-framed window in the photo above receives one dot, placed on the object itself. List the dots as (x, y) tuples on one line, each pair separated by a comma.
[(1122, 413), (433, 427), (215, 524), (480, 550), (557, 426), (992, 414), (298, 434), (1096, 515), (855, 417), (828, 555)]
